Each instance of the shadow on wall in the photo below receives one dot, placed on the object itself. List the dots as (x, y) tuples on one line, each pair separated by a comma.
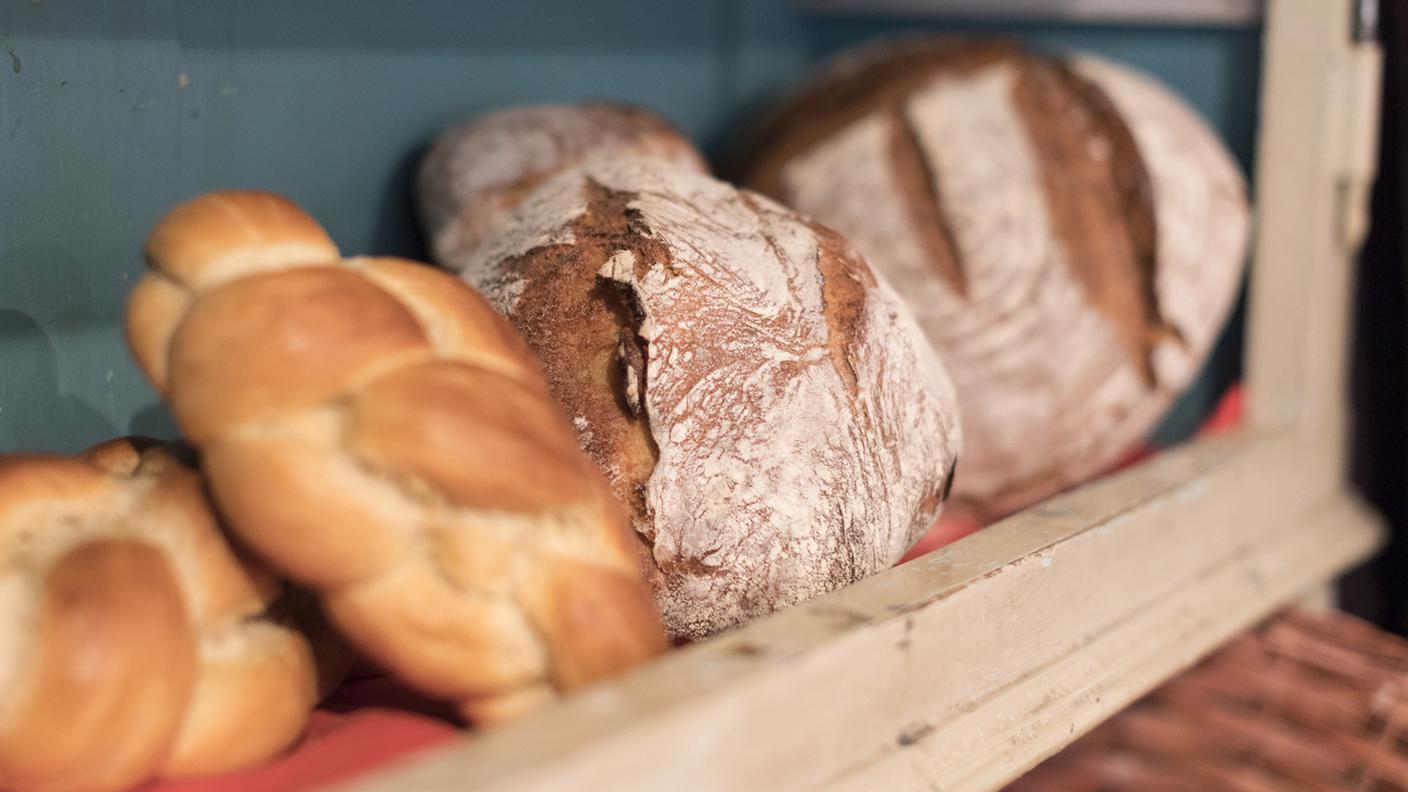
[(154, 420), (525, 25), (34, 415), (397, 228)]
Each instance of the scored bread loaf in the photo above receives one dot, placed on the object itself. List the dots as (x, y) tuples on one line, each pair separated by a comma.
[(478, 171), (377, 432), (1068, 233), (764, 405), (137, 642)]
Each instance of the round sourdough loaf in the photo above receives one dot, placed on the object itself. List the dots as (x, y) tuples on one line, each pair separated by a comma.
[(378, 432), (1069, 235), (759, 399), (137, 642), (478, 171)]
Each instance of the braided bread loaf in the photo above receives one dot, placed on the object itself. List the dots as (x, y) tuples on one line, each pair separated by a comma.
[(1069, 234), (478, 171), (137, 642), (377, 432)]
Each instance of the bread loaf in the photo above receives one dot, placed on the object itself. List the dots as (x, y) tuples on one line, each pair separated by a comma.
[(761, 401), (1067, 232), (137, 642), (377, 432), (478, 171)]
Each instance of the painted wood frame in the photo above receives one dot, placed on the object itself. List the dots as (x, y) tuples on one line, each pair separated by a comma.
[(1136, 12), (964, 668)]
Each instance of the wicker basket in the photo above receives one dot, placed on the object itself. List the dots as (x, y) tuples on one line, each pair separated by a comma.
[(1313, 700)]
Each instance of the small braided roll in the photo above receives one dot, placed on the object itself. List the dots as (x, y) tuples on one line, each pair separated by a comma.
[(374, 429), (137, 642)]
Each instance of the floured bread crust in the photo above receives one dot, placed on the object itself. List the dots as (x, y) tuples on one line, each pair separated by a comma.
[(1069, 235), (478, 171), (762, 402)]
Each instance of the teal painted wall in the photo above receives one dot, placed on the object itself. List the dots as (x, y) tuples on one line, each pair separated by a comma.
[(112, 111)]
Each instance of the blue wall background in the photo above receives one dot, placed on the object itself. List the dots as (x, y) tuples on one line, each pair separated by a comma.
[(113, 110)]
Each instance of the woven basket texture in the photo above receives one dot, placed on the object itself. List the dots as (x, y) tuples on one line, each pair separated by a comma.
[(1310, 700)]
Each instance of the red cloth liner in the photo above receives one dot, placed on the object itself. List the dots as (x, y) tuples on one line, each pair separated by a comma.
[(367, 723), (956, 523), (371, 721), (337, 747)]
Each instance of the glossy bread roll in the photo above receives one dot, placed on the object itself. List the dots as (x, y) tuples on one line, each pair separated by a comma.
[(377, 432), (1069, 234), (137, 642)]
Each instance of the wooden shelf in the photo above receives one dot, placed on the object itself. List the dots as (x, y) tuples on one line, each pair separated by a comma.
[(962, 668)]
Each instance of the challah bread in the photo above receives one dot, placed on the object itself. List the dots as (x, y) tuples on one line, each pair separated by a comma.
[(764, 404), (1068, 233), (137, 642), (478, 171), (377, 432)]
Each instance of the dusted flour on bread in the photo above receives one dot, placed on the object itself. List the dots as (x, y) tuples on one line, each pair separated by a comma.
[(1069, 235), (764, 404), (478, 171)]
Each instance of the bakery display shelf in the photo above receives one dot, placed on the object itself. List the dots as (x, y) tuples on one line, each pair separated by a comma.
[(958, 670), (962, 669), (965, 667)]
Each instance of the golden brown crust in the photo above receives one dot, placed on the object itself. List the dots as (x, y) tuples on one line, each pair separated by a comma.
[(203, 243), (155, 303), (27, 478), (585, 608), (120, 456), (314, 332), (112, 668), (139, 642), (374, 430), (417, 422), (453, 318)]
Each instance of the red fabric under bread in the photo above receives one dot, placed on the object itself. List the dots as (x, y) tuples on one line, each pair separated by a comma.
[(371, 721), (367, 723), (957, 522)]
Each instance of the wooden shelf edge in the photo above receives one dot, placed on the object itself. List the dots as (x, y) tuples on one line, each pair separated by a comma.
[(1229, 13), (1117, 666), (965, 667)]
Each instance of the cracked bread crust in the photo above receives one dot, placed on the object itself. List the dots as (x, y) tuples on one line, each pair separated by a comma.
[(762, 402)]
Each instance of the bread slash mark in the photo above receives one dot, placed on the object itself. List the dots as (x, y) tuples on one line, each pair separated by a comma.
[(1101, 204)]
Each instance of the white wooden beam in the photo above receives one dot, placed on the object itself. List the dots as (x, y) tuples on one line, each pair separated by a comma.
[(965, 667), (1174, 12)]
